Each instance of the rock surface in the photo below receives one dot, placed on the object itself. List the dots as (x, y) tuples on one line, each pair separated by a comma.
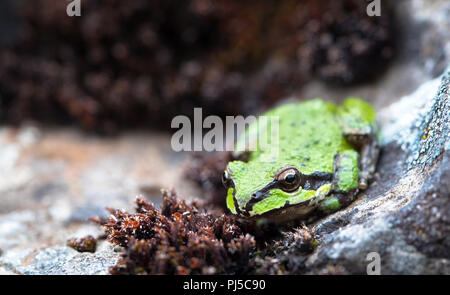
[(52, 180)]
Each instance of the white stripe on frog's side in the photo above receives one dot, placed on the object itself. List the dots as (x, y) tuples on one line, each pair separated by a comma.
[(320, 195), (309, 204)]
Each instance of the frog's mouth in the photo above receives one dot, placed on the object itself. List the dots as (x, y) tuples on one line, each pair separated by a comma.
[(311, 181)]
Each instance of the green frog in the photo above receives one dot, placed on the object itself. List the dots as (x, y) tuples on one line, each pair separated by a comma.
[(326, 154)]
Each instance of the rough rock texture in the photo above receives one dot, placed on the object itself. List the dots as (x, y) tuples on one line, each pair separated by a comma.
[(63, 260), (52, 180)]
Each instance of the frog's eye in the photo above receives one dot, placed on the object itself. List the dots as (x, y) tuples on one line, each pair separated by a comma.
[(289, 179), (226, 178)]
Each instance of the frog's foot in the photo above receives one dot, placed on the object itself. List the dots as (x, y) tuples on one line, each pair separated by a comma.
[(369, 156), (369, 150)]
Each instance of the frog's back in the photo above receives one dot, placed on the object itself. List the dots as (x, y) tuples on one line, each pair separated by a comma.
[(309, 136)]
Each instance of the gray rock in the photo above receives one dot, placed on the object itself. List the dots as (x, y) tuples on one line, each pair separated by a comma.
[(64, 260)]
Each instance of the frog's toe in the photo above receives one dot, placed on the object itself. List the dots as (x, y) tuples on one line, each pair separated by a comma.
[(363, 180), (362, 184)]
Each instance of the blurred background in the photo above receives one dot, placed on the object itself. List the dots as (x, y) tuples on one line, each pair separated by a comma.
[(143, 62), (86, 101)]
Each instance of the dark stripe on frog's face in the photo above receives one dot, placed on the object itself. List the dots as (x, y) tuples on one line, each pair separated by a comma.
[(311, 181), (260, 195), (315, 180)]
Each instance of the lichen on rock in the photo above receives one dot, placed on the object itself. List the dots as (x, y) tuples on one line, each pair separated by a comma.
[(419, 123)]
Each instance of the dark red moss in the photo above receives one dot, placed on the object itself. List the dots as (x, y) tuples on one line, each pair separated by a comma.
[(183, 238), (287, 254), (178, 239), (85, 244), (299, 240)]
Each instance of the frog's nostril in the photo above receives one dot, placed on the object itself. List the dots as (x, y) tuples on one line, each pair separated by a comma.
[(257, 196)]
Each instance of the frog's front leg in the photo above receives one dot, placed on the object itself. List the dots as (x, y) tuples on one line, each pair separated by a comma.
[(344, 185), (357, 120), (345, 172)]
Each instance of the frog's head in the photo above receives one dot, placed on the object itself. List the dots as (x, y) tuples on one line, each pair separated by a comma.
[(254, 188)]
